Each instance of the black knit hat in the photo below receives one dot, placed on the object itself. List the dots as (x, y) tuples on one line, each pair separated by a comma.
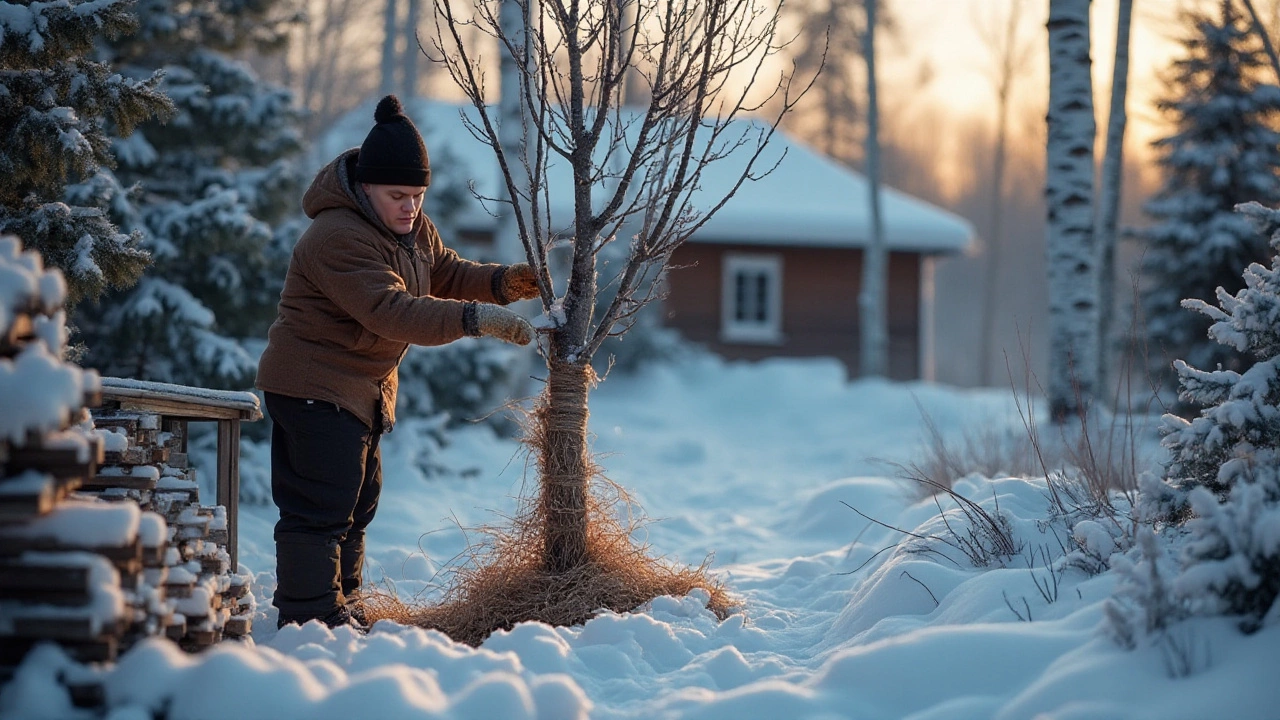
[(393, 153)]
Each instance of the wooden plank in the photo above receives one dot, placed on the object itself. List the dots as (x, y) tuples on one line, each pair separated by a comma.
[(124, 557), (21, 332), (60, 628), (237, 627), (129, 482), (179, 400), (132, 455), (60, 462), (27, 506), (178, 409), (229, 483)]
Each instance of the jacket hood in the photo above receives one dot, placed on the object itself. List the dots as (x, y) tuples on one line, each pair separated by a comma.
[(334, 187)]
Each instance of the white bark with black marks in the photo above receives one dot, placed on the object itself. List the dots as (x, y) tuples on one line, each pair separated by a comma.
[(1070, 242)]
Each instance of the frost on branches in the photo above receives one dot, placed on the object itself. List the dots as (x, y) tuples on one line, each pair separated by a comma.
[(57, 108), (1223, 476)]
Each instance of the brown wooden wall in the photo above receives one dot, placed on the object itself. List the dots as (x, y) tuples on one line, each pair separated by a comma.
[(819, 304)]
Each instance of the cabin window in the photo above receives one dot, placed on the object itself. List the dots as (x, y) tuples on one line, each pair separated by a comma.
[(751, 304)]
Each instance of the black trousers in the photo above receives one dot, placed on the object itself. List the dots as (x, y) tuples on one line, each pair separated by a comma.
[(326, 477)]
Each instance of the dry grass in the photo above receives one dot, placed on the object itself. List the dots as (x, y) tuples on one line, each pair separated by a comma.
[(503, 580)]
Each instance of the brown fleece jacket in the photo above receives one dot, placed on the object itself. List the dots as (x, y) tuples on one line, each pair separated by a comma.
[(355, 297)]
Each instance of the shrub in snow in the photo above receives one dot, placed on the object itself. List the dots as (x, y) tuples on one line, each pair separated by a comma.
[(1143, 603), (55, 107), (1223, 475), (1223, 150), (218, 182)]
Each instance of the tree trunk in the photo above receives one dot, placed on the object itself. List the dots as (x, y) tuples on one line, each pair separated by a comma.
[(390, 31), (1112, 181), (565, 464), (1266, 37), (412, 54), (874, 340), (1008, 70), (1070, 243)]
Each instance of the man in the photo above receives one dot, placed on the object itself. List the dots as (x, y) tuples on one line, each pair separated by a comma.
[(369, 277)]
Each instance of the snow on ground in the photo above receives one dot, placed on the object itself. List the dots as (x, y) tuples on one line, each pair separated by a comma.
[(841, 618)]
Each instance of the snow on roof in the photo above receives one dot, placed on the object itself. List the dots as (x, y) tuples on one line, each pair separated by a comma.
[(808, 200)]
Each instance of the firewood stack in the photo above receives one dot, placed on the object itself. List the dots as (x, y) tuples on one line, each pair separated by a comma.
[(102, 537), (149, 468)]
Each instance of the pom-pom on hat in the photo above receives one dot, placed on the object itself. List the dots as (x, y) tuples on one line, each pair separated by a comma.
[(393, 153)]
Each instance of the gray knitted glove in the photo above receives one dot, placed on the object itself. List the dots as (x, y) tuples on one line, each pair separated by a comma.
[(496, 321)]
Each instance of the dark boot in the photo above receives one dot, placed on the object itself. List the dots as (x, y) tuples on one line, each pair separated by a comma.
[(307, 580)]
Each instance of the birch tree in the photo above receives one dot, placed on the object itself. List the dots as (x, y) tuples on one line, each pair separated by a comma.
[(1112, 179), (1070, 242), (874, 341), (637, 167)]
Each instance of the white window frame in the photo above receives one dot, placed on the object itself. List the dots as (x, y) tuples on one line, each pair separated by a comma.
[(734, 330)]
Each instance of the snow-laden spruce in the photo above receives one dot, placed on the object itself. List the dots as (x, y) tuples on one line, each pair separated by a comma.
[(1223, 150), (217, 182), (1223, 475), (55, 106)]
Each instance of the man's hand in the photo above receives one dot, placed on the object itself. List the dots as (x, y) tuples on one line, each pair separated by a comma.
[(496, 321), (519, 283)]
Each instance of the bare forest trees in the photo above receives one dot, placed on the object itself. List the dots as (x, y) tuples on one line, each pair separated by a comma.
[(1010, 58), (1070, 241), (1111, 182), (828, 39), (633, 173)]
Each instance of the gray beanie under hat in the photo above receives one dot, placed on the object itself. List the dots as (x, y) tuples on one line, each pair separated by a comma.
[(393, 153)]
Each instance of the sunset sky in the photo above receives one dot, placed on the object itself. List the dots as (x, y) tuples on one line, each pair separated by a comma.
[(943, 36)]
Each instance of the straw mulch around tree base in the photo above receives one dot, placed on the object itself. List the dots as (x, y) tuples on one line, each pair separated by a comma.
[(504, 581)]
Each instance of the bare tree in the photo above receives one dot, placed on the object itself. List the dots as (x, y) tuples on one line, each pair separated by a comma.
[(1010, 59), (874, 340), (1112, 182), (1265, 36), (1069, 239), (412, 60), (579, 53), (828, 40), (390, 37)]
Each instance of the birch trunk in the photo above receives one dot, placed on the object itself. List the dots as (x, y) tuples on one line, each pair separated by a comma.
[(871, 300), (1070, 243), (1112, 181), (390, 31)]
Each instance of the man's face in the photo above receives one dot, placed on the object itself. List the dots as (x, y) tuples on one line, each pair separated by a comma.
[(397, 205)]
